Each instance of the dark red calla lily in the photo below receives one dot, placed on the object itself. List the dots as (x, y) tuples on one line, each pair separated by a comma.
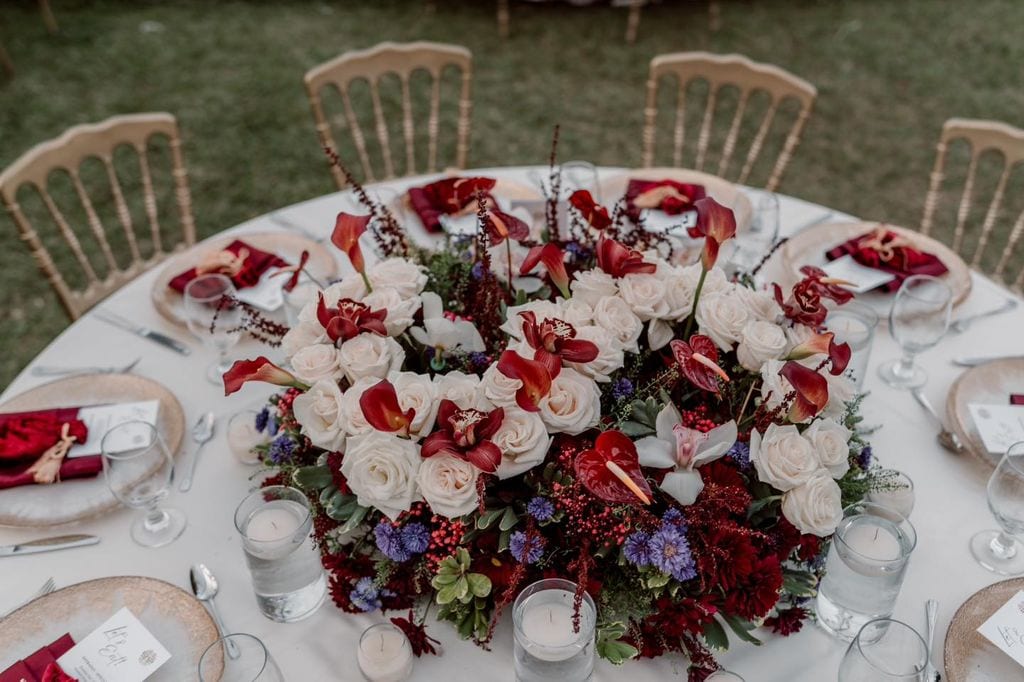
[(821, 344), (554, 340), (382, 411), (591, 211), (501, 226), (698, 361), (260, 369), (619, 260), (553, 259), (534, 375), (811, 391), (611, 470), (295, 272), (348, 229), (466, 434), (350, 319), (717, 224)]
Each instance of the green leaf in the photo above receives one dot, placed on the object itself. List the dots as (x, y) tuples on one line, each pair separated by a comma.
[(714, 635), (742, 628), (503, 540), (479, 584), (463, 556), (799, 584), (508, 519), (447, 594), (485, 520), (635, 429), (327, 493), (442, 579), (658, 579), (462, 589), (312, 477), (758, 505), (354, 520), (616, 652)]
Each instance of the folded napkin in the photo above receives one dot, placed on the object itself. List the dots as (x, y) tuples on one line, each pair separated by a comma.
[(41, 666), (668, 196), (889, 252), (446, 197), (1016, 399), (243, 263), (32, 448)]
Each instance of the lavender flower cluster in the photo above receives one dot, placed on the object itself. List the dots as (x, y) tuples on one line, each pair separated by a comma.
[(666, 549)]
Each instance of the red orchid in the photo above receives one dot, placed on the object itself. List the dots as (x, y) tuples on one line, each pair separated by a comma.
[(380, 407), (611, 470), (804, 306), (811, 391), (553, 259), (260, 369), (825, 286), (592, 212), (295, 270), (466, 434), (717, 224), (619, 260), (350, 319), (820, 344), (698, 361), (554, 340), (501, 226), (534, 375), (347, 230)]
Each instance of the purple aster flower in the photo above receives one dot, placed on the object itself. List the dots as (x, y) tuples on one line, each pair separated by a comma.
[(526, 550), (365, 596), (478, 359), (540, 508), (674, 518), (577, 251), (478, 270), (272, 425), (670, 553), (415, 538), (281, 449), (262, 417), (621, 389), (637, 549), (740, 453), (865, 457), (389, 541)]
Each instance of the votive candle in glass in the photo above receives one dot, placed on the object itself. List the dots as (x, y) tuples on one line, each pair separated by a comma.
[(385, 654), (548, 645)]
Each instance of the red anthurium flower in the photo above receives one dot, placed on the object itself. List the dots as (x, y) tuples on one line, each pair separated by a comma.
[(716, 223), (347, 231), (259, 369), (698, 361), (811, 391), (553, 259), (379, 404), (592, 212), (534, 375), (554, 340), (466, 434), (611, 470), (820, 344), (350, 319), (295, 270), (501, 226), (618, 260)]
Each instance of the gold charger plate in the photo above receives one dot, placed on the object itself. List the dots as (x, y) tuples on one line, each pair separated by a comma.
[(809, 247), (74, 500), (176, 618), (992, 383), (968, 656), (168, 302)]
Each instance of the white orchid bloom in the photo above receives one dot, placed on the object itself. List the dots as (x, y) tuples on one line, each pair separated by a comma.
[(684, 450), (443, 334)]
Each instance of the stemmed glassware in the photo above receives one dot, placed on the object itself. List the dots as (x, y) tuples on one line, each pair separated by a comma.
[(253, 663), (751, 245), (885, 650), (214, 318), (918, 320), (999, 550), (138, 468)]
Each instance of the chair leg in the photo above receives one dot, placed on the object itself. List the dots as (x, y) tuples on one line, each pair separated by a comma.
[(5, 62), (633, 22), (714, 15), (48, 18), (503, 18)]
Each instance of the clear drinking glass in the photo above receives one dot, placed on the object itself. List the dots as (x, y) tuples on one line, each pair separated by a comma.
[(253, 663), (854, 323), (885, 650), (138, 469), (547, 647), (999, 550), (385, 654), (749, 246), (918, 320), (581, 175), (213, 319)]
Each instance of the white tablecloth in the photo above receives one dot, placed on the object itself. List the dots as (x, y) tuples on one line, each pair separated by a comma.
[(950, 497)]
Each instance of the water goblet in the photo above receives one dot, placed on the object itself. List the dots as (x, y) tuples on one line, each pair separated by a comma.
[(581, 175), (214, 318), (748, 247), (138, 469), (999, 550), (918, 320), (253, 664), (885, 650)]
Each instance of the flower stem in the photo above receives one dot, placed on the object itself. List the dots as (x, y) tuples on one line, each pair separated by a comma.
[(366, 281), (696, 298), (508, 255)]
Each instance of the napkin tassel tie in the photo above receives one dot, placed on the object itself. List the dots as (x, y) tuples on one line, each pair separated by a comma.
[(224, 262), (886, 250), (46, 469)]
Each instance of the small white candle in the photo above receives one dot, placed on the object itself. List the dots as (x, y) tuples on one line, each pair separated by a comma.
[(271, 530), (385, 654), (871, 539), (243, 437), (547, 625)]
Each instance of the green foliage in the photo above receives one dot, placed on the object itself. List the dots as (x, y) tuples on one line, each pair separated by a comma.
[(609, 646), (454, 582), (312, 477)]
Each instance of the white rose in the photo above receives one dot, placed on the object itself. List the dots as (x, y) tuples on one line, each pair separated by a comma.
[(352, 419), (499, 389), (615, 315), (417, 392), (760, 342), (513, 325), (318, 411), (761, 304), (576, 313), (370, 355), (645, 294), (400, 310), (722, 318), (350, 286), (381, 470), (448, 484), (590, 286), (301, 335), (404, 276), (609, 355), (573, 404), (523, 441), (679, 290), (715, 282), (782, 457), (816, 506), (316, 362), (462, 389), (799, 333), (841, 390), (832, 441)]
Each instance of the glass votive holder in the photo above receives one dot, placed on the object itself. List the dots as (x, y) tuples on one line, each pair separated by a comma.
[(896, 492), (884, 650), (238, 658), (854, 323), (547, 644), (243, 437), (864, 571), (275, 524), (385, 654), (723, 676)]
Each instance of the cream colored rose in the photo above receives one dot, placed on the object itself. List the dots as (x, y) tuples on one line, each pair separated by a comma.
[(352, 419), (448, 484), (590, 286), (301, 335), (370, 355), (816, 506), (782, 457), (462, 389), (318, 411), (381, 469), (841, 390), (615, 315), (316, 362), (832, 442), (761, 304), (573, 404), (499, 389), (404, 276), (576, 313), (609, 356), (760, 342), (679, 290), (645, 294), (715, 282), (400, 310), (523, 441), (722, 317), (417, 392)]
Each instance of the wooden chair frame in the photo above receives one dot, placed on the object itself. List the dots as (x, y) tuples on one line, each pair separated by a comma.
[(68, 152)]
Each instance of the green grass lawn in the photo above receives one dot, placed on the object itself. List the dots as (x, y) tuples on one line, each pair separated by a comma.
[(889, 72)]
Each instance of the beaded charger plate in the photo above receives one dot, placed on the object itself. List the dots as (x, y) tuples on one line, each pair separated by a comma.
[(992, 383), (968, 656)]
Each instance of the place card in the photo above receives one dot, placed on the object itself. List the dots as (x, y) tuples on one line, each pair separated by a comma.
[(101, 418), (267, 294), (999, 426), (120, 650), (1005, 628), (659, 221), (861, 278)]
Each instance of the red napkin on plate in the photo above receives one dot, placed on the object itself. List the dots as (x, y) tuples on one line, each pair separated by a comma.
[(247, 273), (669, 196), (1016, 399), (41, 666), (445, 197), (887, 251), (25, 436)]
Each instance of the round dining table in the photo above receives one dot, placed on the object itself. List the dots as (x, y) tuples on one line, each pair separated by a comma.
[(950, 489)]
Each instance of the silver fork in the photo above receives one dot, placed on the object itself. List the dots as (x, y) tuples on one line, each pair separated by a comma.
[(52, 371), (963, 323), (46, 588)]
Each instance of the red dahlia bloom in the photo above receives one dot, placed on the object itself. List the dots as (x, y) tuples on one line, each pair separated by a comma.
[(350, 319), (592, 212), (348, 229), (466, 434), (758, 591), (618, 260), (553, 341)]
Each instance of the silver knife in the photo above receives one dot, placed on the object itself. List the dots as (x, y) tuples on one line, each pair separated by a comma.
[(141, 330), (48, 544), (974, 362)]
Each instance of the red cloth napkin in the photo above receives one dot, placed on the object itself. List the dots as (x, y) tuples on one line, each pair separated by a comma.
[(445, 197), (41, 666), (885, 250), (1016, 399), (24, 436), (670, 205), (255, 265)]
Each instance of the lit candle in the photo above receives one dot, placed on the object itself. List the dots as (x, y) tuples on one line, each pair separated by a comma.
[(272, 530), (385, 654), (874, 538), (243, 437)]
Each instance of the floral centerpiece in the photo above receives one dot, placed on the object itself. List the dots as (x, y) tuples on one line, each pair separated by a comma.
[(567, 402)]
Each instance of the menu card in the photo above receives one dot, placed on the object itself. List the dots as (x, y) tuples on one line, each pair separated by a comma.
[(120, 650), (861, 278), (101, 418), (1005, 628), (999, 426), (267, 294)]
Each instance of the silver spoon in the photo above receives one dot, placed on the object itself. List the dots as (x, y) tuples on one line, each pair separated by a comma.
[(963, 323), (204, 586), (946, 438), (202, 432), (931, 612)]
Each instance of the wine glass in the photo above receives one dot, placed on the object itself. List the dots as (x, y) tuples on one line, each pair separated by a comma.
[(214, 318), (885, 650), (751, 245), (581, 175), (918, 320), (138, 468), (252, 664), (999, 550)]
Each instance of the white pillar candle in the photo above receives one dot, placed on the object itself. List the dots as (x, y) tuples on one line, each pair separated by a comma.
[(549, 626), (243, 437), (385, 654), (271, 530), (873, 538)]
